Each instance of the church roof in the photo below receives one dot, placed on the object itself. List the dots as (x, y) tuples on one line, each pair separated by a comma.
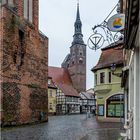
[(110, 55), (61, 78)]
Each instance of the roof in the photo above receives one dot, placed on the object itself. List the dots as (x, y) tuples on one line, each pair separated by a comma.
[(87, 95), (110, 55), (61, 78)]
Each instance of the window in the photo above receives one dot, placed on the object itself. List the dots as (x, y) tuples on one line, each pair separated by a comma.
[(109, 77), (50, 93), (115, 110), (102, 77), (80, 61), (72, 62), (101, 110), (95, 79), (81, 53), (21, 37), (49, 81), (115, 106), (28, 10), (9, 2), (50, 106)]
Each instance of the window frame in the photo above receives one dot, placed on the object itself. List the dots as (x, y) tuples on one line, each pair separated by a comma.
[(102, 77), (110, 77), (28, 10), (101, 105)]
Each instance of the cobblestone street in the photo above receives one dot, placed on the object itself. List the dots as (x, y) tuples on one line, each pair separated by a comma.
[(72, 127)]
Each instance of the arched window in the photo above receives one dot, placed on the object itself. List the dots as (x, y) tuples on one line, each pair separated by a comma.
[(115, 106)]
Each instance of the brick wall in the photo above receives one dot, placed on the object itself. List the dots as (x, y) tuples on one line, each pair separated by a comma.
[(24, 67)]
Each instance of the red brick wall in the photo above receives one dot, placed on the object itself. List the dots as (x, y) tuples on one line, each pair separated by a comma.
[(24, 68)]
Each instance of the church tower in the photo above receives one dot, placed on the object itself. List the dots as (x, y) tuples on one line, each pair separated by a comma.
[(75, 62)]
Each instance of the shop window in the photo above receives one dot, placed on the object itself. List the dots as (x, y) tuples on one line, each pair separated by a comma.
[(115, 110), (115, 106), (100, 110), (102, 77)]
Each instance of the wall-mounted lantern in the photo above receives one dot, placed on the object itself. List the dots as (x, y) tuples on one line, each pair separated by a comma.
[(113, 69)]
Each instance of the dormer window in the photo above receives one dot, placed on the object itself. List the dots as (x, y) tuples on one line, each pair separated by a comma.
[(49, 81), (28, 10)]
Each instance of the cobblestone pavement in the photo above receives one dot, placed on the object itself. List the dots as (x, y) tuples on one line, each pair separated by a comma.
[(72, 127)]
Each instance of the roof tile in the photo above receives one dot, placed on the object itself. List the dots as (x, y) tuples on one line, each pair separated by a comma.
[(108, 56), (61, 78)]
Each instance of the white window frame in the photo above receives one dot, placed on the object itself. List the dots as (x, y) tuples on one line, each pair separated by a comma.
[(28, 10)]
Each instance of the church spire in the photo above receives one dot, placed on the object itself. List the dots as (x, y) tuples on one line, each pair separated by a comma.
[(78, 37), (78, 14)]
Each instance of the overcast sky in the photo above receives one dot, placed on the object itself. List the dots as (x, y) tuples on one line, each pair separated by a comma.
[(57, 19)]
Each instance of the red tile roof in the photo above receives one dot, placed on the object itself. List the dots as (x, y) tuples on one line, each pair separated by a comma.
[(110, 55), (61, 78)]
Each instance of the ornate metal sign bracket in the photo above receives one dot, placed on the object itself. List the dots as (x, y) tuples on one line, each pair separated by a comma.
[(103, 35)]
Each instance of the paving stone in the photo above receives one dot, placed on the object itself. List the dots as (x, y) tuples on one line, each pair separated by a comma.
[(72, 127)]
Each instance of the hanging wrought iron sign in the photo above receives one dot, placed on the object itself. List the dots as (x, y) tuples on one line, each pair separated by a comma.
[(95, 41), (107, 32), (116, 22)]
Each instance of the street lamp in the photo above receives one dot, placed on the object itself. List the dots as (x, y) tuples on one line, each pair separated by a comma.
[(113, 69)]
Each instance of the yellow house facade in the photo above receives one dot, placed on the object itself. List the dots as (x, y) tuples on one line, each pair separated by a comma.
[(109, 94), (52, 92)]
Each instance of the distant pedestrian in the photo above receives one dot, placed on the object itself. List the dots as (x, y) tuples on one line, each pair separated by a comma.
[(41, 115), (88, 114), (93, 112)]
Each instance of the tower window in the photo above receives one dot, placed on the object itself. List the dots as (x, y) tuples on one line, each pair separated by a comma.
[(72, 62), (28, 10), (80, 61), (68, 66)]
